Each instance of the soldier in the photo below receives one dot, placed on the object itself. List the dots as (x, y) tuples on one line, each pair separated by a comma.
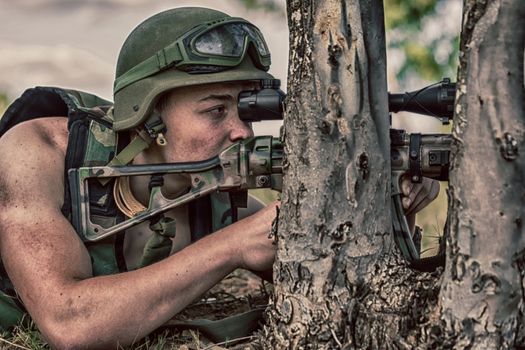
[(178, 78)]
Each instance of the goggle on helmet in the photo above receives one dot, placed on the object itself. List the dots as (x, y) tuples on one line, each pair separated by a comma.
[(210, 47)]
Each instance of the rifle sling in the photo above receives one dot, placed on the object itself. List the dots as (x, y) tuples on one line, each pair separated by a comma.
[(229, 328)]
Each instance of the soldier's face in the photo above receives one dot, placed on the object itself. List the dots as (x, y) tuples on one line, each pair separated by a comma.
[(203, 120)]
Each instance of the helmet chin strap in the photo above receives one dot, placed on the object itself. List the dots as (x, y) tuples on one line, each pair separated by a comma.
[(156, 128), (153, 129)]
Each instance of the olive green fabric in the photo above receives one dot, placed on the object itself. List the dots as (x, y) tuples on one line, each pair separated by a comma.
[(103, 260), (86, 102), (160, 243), (101, 144), (226, 329), (221, 210), (10, 313), (134, 103), (158, 31)]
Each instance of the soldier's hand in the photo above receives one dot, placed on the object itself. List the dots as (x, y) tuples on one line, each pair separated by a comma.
[(256, 244), (416, 196)]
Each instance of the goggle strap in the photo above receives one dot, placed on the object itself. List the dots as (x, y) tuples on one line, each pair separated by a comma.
[(168, 56), (163, 59)]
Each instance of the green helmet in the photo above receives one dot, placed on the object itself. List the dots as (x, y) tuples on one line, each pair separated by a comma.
[(182, 47)]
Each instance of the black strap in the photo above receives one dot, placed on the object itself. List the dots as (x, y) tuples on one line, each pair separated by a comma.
[(415, 158), (123, 139), (200, 217), (76, 145), (34, 103), (238, 199)]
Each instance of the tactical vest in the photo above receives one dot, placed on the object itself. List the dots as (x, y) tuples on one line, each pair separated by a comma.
[(92, 142)]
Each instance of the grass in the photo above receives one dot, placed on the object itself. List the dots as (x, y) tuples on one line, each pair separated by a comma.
[(237, 293), (4, 102), (29, 338), (23, 337)]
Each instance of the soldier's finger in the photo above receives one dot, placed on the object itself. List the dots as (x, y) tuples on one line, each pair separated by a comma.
[(406, 186)]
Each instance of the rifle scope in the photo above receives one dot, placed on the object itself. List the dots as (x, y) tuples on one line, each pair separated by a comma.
[(436, 100), (263, 104)]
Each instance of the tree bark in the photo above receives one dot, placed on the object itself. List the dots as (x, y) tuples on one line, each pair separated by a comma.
[(339, 282), (483, 289)]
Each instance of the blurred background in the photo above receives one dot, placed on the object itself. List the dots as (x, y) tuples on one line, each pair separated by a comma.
[(75, 43)]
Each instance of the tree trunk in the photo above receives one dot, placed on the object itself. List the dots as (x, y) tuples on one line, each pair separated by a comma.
[(482, 294), (339, 281)]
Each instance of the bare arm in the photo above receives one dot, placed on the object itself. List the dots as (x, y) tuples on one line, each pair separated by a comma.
[(51, 268)]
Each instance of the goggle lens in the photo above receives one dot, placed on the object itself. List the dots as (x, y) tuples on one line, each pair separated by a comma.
[(229, 40)]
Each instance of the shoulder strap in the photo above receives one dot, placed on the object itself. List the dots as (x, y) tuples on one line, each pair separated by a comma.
[(43, 101), (34, 103)]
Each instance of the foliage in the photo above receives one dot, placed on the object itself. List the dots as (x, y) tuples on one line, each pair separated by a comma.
[(266, 5), (428, 50), (4, 102)]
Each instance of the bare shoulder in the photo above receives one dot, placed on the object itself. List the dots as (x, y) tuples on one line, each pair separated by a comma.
[(39, 248), (32, 160), (50, 133)]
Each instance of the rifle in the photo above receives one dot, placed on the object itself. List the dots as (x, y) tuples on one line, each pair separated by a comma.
[(419, 155), (257, 163)]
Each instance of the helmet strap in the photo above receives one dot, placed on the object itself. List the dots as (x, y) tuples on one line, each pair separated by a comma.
[(156, 128), (153, 129), (139, 143)]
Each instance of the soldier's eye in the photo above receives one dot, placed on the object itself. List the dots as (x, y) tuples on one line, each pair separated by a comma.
[(217, 112)]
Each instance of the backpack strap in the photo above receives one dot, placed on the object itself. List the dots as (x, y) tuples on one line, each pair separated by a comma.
[(34, 103)]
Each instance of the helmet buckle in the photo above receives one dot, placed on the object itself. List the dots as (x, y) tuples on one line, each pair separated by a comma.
[(156, 129), (161, 140)]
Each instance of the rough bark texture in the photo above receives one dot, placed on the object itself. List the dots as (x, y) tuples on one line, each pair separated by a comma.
[(482, 292), (339, 280)]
